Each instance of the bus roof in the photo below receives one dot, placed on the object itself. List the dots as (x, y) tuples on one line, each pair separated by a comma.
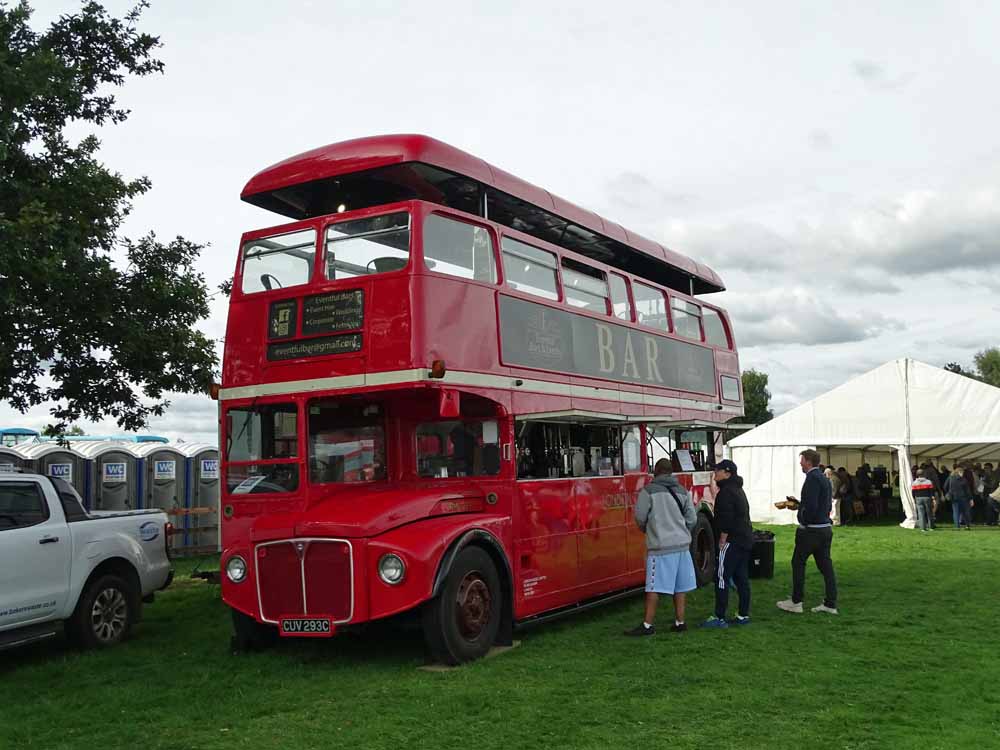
[(527, 207)]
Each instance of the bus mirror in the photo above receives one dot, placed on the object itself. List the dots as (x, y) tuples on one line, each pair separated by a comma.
[(438, 369), (213, 391)]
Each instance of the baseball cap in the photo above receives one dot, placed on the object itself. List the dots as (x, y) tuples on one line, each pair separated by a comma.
[(725, 465)]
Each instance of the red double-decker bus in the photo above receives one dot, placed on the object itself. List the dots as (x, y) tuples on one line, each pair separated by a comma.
[(439, 393)]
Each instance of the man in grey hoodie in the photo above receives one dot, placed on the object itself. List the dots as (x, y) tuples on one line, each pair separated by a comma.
[(665, 513)]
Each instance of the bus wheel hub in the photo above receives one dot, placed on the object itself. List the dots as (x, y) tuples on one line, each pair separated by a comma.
[(473, 605)]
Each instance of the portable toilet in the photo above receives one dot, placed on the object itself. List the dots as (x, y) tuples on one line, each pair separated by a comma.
[(164, 483), (11, 459), (55, 460), (203, 530), (114, 476)]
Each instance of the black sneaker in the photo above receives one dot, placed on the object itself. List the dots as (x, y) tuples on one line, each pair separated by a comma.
[(681, 628), (641, 629)]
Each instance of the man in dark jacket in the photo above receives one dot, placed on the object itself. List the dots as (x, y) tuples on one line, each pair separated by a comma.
[(813, 537), (732, 520)]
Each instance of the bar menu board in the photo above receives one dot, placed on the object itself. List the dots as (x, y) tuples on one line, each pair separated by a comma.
[(333, 312)]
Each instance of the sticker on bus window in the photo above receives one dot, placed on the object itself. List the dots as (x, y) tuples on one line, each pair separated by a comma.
[(62, 471), (209, 468), (113, 472), (165, 470), (246, 486)]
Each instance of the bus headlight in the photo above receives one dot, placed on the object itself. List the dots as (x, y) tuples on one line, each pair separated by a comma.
[(236, 569), (391, 569)]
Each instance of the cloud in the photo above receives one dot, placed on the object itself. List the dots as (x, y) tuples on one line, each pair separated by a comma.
[(910, 235), (634, 191), (820, 140), (798, 316), (875, 76)]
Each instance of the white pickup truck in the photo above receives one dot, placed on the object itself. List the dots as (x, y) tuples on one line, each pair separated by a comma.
[(61, 566)]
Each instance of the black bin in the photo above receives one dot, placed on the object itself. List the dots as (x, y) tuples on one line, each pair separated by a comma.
[(762, 555)]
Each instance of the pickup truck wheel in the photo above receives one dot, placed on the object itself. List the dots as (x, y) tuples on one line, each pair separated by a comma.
[(105, 613), (703, 550), (461, 623), (250, 635)]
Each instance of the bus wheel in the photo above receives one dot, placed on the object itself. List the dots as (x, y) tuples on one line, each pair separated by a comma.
[(461, 623), (250, 635), (703, 550)]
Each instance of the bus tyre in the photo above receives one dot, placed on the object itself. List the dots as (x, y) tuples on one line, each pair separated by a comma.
[(250, 635), (703, 550), (461, 623), (105, 614)]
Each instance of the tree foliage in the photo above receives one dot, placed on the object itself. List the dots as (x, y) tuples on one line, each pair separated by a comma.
[(98, 324), (756, 398), (986, 367), (756, 401)]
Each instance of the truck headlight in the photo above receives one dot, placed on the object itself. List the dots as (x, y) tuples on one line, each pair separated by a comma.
[(391, 569), (236, 569)]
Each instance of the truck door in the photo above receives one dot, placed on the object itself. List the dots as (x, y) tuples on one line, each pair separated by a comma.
[(34, 555)]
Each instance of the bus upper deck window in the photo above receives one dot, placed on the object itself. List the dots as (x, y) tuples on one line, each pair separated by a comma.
[(650, 306), (715, 331), (620, 305), (362, 247), (458, 249), (687, 319), (277, 262), (585, 286), (529, 269)]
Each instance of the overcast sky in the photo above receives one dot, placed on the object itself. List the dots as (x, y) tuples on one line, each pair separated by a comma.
[(838, 166)]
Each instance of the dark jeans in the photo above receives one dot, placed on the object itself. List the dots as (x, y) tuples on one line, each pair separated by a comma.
[(993, 514), (734, 568), (846, 510), (960, 512), (924, 514), (815, 542)]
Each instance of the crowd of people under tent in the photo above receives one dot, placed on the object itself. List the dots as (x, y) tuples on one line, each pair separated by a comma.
[(962, 492)]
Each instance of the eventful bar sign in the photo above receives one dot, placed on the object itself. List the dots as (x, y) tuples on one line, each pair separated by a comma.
[(546, 338), (317, 347)]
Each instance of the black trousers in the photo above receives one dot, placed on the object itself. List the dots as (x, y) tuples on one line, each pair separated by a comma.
[(815, 542), (734, 568)]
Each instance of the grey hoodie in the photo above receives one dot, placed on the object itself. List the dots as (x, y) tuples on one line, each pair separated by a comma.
[(656, 513)]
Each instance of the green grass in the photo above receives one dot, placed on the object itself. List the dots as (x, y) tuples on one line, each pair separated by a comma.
[(910, 663)]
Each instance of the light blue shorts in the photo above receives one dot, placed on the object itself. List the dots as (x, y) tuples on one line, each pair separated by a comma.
[(672, 573)]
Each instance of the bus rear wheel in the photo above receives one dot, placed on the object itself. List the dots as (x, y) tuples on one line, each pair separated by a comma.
[(703, 550), (461, 623)]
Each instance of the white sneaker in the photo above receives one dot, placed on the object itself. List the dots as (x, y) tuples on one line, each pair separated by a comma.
[(824, 608), (789, 606)]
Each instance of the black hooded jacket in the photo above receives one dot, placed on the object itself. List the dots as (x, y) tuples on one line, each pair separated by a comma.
[(732, 512)]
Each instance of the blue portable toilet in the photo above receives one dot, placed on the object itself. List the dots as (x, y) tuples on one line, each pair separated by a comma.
[(113, 474), (55, 460), (11, 460), (204, 532)]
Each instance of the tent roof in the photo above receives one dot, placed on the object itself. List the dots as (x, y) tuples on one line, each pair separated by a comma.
[(903, 402)]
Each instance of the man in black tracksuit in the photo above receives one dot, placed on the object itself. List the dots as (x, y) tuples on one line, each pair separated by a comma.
[(814, 536), (732, 521)]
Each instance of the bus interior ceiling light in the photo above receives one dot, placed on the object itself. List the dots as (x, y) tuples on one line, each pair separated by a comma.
[(438, 369), (236, 569)]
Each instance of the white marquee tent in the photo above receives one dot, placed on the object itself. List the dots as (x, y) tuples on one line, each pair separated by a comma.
[(904, 409)]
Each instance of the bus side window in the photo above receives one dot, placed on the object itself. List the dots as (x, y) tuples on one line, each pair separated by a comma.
[(620, 305), (650, 306), (715, 330), (687, 319), (458, 249), (528, 269)]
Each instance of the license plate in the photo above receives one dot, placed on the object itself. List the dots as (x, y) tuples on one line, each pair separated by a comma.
[(305, 627)]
